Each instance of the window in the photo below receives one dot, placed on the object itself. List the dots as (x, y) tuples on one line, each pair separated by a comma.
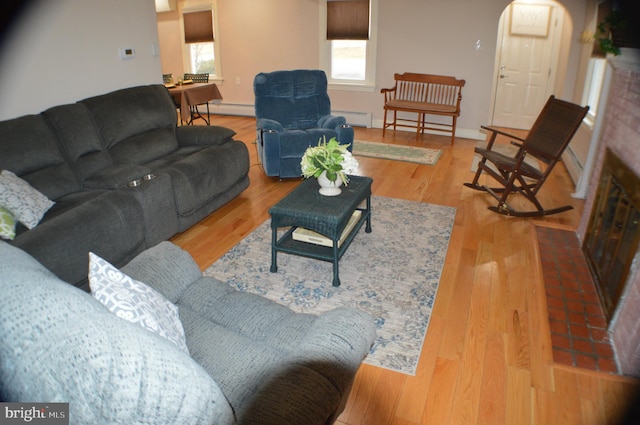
[(202, 58), (348, 60), (199, 39), (593, 86), (349, 42)]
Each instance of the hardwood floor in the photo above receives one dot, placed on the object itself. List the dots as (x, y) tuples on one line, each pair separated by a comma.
[(487, 354)]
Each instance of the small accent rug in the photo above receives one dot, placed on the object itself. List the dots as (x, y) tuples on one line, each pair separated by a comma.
[(392, 273), (508, 150), (396, 152)]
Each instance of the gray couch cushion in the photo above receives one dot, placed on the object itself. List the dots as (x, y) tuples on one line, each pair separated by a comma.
[(79, 138), (201, 176), (30, 149), (136, 125), (144, 147), (58, 344), (107, 223)]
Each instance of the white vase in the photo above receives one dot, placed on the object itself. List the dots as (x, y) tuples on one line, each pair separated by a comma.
[(327, 187)]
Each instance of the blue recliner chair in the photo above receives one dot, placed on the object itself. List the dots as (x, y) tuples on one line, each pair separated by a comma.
[(293, 112)]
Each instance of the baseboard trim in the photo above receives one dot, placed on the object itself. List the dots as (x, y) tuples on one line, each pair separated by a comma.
[(356, 119)]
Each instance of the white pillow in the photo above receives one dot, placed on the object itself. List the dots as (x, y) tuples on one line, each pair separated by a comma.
[(22, 200), (134, 301)]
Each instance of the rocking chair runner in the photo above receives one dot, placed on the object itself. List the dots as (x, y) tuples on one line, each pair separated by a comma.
[(546, 141)]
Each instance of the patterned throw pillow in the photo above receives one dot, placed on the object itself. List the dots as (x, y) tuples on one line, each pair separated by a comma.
[(7, 225), (134, 301), (22, 200)]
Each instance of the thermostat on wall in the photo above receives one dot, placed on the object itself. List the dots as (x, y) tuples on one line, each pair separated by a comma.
[(127, 53)]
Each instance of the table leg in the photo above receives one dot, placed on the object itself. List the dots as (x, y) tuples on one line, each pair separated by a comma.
[(336, 279), (274, 252), (367, 227)]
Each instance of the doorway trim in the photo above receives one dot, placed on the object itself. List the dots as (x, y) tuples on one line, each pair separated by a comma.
[(561, 19)]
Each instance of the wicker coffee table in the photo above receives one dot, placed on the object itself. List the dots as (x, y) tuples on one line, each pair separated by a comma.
[(328, 215)]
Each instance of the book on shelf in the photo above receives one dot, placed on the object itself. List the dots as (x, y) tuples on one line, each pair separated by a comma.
[(306, 235)]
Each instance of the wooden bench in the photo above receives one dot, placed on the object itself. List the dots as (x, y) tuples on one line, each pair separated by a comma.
[(424, 95)]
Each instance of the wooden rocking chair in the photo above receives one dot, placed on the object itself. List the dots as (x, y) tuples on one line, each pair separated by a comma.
[(546, 141)]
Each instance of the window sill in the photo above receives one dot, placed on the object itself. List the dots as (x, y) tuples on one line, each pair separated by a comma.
[(360, 87), (589, 121)]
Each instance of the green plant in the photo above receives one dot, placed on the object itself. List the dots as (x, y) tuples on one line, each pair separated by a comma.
[(613, 22), (331, 157)]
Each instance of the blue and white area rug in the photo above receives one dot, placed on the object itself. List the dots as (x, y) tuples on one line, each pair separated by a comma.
[(392, 273)]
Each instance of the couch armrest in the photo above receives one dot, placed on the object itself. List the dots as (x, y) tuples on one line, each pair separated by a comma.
[(115, 176), (165, 267), (265, 124), (201, 135), (349, 335), (342, 336), (319, 372), (331, 121)]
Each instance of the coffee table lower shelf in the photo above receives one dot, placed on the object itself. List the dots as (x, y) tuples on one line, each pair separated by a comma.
[(288, 245)]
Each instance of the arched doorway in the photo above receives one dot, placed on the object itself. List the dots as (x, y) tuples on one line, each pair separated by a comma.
[(529, 64)]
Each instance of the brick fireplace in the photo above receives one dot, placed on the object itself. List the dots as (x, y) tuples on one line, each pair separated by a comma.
[(613, 234), (621, 136)]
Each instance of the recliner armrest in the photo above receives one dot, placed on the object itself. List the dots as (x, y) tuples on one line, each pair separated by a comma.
[(265, 124), (331, 121)]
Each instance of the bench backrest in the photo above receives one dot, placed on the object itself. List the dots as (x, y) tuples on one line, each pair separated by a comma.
[(438, 89)]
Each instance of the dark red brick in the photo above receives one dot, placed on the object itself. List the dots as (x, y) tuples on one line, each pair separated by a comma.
[(579, 331)]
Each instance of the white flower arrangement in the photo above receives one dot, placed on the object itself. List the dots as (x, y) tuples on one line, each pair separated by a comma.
[(331, 157)]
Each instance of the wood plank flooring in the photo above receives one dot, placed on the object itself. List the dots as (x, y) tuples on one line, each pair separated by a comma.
[(487, 355)]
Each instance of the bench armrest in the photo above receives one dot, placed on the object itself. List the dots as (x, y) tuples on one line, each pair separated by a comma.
[(387, 93)]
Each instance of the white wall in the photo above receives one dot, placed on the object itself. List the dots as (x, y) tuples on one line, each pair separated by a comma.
[(69, 49), (435, 36), (62, 51)]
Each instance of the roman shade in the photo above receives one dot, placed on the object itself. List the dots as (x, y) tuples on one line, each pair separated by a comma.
[(198, 27), (347, 19)]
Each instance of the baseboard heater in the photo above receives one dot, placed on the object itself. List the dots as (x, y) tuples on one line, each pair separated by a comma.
[(356, 119)]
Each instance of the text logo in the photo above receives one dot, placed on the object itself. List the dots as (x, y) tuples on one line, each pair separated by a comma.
[(34, 413)]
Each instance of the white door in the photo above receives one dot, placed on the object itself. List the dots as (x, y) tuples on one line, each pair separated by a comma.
[(526, 58)]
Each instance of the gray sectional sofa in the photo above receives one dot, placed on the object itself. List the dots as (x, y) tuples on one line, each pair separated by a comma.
[(246, 360), (250, 361), (83, 157)]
